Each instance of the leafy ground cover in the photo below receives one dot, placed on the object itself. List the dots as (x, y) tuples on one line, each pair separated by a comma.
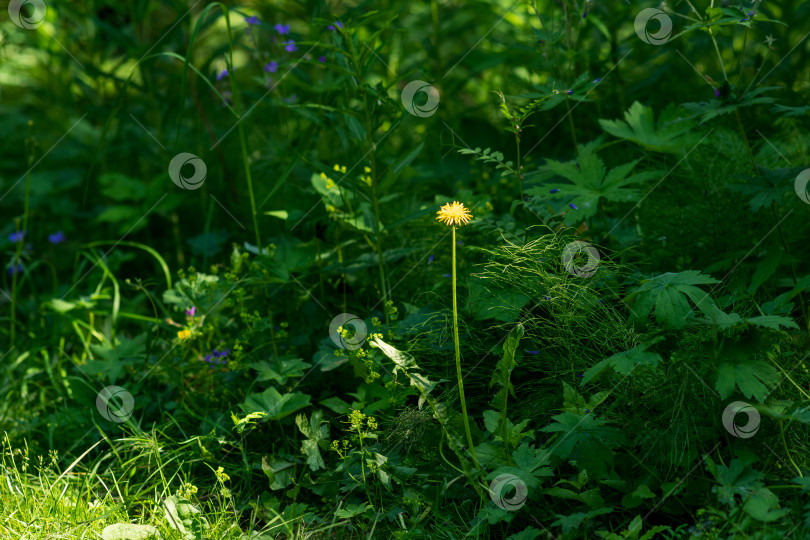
[(305, 269)]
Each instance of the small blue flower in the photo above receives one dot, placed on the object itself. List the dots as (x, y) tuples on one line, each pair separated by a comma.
[(555, 190), (272, 67), (716, 92), (569, 92), (321, 59), (56, 238), (337, 24), (15, 268), (597, 81), (531, 352), (572, 205), (448, 275), (283, 29), (16, 236), (431, 258), (580, 375), (292, 99), (289, 46), (222, 74), (587, 411), (252, 20)]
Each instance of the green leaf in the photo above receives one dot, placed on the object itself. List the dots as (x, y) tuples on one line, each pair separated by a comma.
[(280, 369), (668, 293), (275, 405), (624, 362), (316, 431), (530, 466), (670, 134), (763, 505), (591, 182), (586, 440), (127, 531), (352, 510), (185, 518), (280, 473), (773, 321), (753, 377)]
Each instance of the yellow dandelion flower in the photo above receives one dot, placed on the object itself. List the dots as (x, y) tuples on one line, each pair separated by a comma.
[(183, 334), (454, 214)]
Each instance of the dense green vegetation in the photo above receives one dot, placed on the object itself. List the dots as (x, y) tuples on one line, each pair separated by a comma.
[(490, 269)]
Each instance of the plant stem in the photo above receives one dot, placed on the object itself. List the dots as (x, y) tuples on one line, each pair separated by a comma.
[(458, 361)]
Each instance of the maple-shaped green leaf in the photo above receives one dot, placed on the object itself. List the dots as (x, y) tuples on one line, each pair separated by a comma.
[(773, 322), (668, 294), (530, 465), (274, 404), (769, 187), (280, 369), (624, 362), (590, 181), (573, 521), (316, 431), (717, 107), (763, 504), (670, 134), (586, 440), (112, 359), (735, 481), (753, 377)]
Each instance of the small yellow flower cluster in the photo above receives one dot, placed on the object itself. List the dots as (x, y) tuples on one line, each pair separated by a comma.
[(187, 490), (221, 476), (341, 447), (184, 334), (366, 178)]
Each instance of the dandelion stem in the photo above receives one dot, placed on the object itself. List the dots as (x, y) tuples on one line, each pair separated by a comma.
[(458, 361)]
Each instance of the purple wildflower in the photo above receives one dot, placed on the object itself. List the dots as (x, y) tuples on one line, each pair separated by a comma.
[(447, 275), (580, 375), (190, 312), (572, 205), (555, 190), (321, 59), (430, 259), (289, 46), (283, 29), (716, 92), (531, 352), (222, 74), (252, 20), (569, 92), (292, 99), (272, 67), (334, 27), (56, 238), (587, 411), (16, 237), (597, 81)]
